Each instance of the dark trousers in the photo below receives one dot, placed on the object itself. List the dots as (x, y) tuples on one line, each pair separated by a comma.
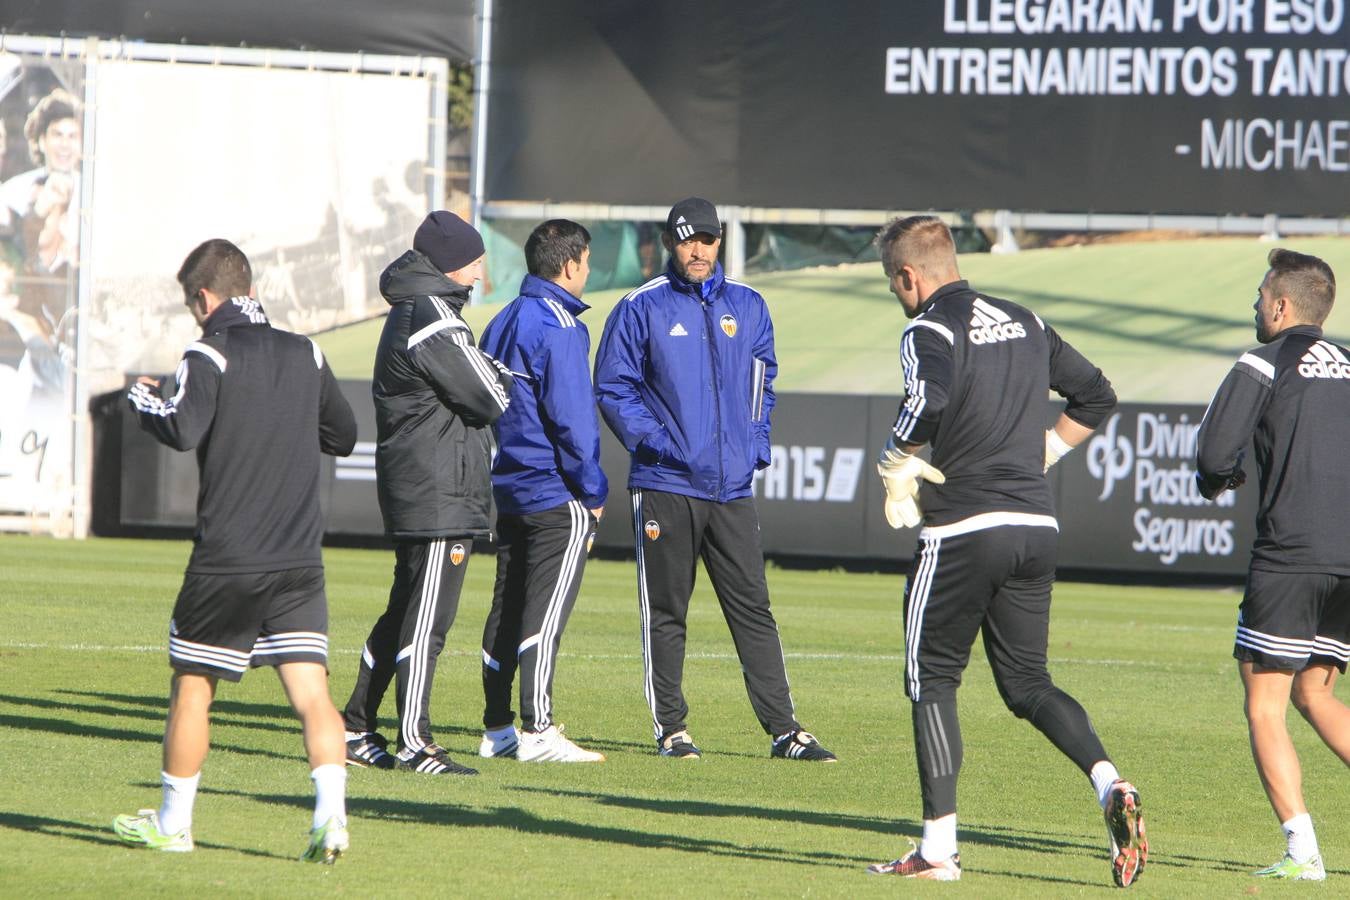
[(408, 637), (996, 580), (540, 560), (672, 533)]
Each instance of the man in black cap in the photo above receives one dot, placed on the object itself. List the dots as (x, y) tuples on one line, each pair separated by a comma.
[(684, 378), (436, 396)]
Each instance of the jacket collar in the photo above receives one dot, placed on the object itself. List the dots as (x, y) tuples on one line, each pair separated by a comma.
[(1310, 330), (710, 288), (534, 286), (412, 275), (234, 312), (947, 290)]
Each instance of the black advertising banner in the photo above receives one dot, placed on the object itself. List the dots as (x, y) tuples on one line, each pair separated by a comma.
[(1164, 106), (1125, 499), (1128, 502)]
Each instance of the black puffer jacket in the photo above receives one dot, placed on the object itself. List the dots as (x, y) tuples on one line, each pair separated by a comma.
[(436, 394)]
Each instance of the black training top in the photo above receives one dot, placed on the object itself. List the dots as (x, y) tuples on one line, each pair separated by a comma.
[(978, 371), (258, 404), (1291, 398)]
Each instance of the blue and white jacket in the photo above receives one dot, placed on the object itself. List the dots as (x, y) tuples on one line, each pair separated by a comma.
[(684, 378), (548, 440)]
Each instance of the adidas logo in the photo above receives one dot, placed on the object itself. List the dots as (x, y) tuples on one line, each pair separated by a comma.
[(251, 308), (678, 330), (1324, 360), (989, 325), (680, 220)]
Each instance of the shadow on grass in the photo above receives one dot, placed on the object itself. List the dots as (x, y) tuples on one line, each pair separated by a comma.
[(1025, 840), (160, 704), (525, 821), (84, 730), (62, 828), (103, 834), (668, 806)]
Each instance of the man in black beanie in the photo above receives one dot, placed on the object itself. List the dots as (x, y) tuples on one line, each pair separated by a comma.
[(436, 397)]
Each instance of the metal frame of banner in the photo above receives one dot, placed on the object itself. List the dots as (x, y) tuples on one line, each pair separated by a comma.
[(76, 520)]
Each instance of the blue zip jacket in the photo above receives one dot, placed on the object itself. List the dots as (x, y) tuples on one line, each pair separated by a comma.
[(548, 440), (684, 378)]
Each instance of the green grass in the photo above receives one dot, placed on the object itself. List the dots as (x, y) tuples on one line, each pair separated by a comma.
[(1164, 320), (83, 677)]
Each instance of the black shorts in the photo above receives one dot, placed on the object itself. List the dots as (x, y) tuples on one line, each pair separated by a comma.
[(224, 624), (1289, 620)]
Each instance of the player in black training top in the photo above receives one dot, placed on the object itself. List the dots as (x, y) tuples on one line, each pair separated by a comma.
[(258, 405), (977, 375), (1290, 397)]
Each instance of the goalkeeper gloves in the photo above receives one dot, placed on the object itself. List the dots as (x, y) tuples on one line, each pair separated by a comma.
[(901, 473), (1055, 448)]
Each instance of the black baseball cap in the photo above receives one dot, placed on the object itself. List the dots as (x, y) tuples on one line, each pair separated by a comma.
[(690, 216)]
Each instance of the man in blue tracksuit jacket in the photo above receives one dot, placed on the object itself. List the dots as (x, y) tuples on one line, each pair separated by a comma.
[(684, 378), (550, 492)]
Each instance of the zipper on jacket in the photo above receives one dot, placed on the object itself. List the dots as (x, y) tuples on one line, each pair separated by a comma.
[(717, 394)]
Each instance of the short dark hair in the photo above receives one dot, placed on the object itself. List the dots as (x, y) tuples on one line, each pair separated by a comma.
[(1306, 280), (59, 104), (218, 266), (554, 243), (923, 242)]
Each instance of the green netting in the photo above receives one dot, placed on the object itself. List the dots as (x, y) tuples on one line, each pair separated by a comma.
[(624, 254), (617, 254)]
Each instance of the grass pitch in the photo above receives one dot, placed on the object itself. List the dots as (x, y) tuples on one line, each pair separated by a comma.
[(1164, 320), (83, 680)]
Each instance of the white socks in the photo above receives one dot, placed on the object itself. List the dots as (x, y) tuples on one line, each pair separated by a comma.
[(330, 793), (175, 810), (939, 839), (175, 813), (1103, 775), (1298, 831)]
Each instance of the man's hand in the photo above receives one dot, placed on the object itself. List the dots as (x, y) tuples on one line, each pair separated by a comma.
[(901, 473), (1211, 488)]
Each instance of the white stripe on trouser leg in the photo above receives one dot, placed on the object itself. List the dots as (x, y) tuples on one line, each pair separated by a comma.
[(918, 600), (417, 650), (548, 633), (645, 613)]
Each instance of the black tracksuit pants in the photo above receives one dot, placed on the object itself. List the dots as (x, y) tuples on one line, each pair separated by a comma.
[(408, 637), (540, 560), (672, 533), (996, 581)]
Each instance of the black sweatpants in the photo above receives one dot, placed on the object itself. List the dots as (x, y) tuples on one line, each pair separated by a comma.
[(540, 560), (409, 636), (996, 580), (672, 533)]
